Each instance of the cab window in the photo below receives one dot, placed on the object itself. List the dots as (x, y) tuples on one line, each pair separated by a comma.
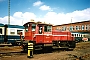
[(33, 27), (47, 28), (26, 28)]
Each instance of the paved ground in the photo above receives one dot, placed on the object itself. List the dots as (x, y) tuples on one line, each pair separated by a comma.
[(81, 52)]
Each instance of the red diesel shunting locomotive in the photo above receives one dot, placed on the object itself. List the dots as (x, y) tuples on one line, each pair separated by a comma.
[(42, 35)]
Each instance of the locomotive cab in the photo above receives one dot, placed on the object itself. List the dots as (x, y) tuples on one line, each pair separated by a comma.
[(30, 29), (44, 34), (38, 32)]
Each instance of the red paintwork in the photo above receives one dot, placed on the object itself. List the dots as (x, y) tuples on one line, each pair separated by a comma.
[(28, 35), (47, 37), (62, 35)]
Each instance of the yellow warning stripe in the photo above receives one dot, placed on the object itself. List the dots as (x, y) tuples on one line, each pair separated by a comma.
[(30, 43), (30, 48)]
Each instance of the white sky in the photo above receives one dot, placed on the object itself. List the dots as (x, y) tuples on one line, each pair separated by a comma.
[(19, 18)]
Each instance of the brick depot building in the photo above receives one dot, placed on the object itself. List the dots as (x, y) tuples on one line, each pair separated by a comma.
[(78, 29)]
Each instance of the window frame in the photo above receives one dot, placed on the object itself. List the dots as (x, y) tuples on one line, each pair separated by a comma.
[(47, 28), (0, 30), (83, 27), (77, 27), (86, 27), (71, 28), (12, 31), (33, 26)]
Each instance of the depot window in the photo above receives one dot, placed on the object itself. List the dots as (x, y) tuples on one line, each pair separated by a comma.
[(72, 34), (71, 28), (86, 27), (82, 27), (57, 28), (64, 28), (0, 31), (81, 35), (77, 27), (12, 31), (75, 35)]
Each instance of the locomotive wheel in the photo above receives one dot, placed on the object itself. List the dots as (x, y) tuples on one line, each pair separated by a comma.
[(47, 49), (72, 44)]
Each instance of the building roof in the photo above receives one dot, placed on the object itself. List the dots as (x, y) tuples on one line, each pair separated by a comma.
[(74, 23)]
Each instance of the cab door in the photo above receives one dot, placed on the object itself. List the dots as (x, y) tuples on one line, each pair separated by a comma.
[(40, 36), (40, 29)]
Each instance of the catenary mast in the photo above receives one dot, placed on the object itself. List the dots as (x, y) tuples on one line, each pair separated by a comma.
[(8, 12)]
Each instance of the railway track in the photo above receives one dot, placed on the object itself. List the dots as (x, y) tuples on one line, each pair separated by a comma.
[(10, 54), (10, 51), (16, 50), (16, 53), (81, 52)]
